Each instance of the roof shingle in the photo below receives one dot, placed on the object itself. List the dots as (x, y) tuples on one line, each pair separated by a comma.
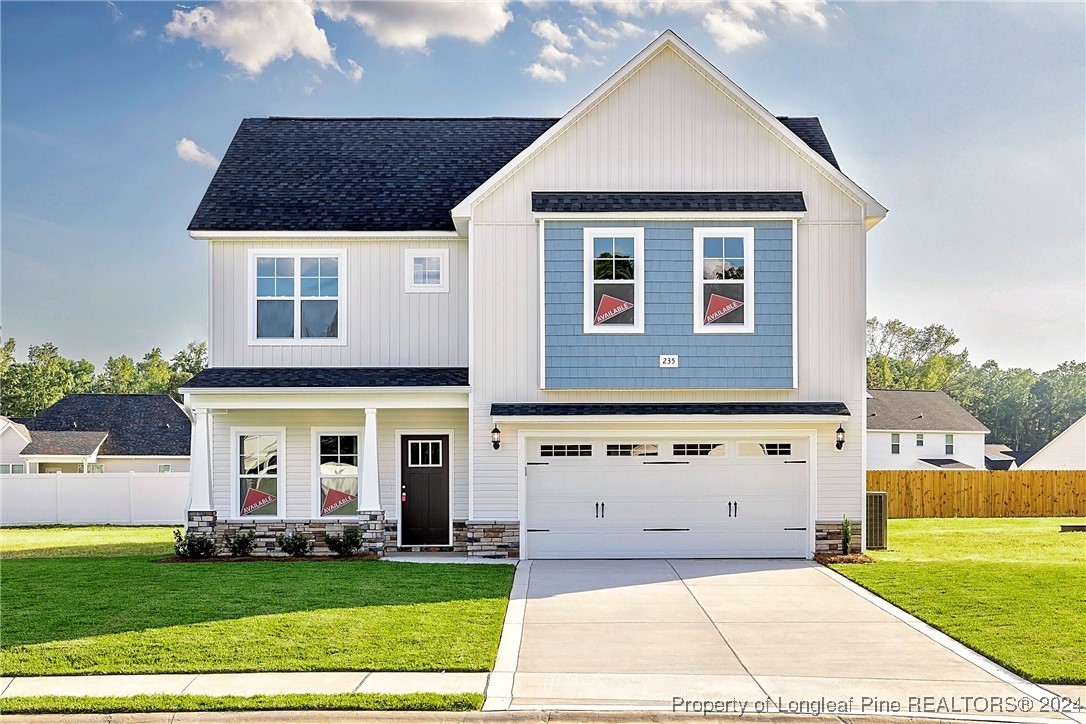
[(80, 443), (602, 202), (152, 425), (285, 377), (918, 410)]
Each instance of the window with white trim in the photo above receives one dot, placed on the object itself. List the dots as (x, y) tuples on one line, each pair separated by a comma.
[(338, 474), (949, 444), (724, 279), (614, 281), (424, 453), (895, 443), (680, 449), (565, 450), (920, 439), (257, 480), (165, 468), (426, 270), (96, 468), (631, 450), (13, 469), (296, 296), (762, 449)]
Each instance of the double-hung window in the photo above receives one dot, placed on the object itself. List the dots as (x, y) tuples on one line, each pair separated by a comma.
[(13, 469), (895, 443), (427, 270), (949, 444), (920, 439), (257, 456), (614, 281), (337, 473), (724, 280), (297, 297)]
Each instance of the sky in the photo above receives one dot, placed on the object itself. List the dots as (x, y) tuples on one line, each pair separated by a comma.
[(967, 120)]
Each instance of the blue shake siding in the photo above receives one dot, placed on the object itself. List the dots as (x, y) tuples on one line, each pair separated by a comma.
[(762, 359)]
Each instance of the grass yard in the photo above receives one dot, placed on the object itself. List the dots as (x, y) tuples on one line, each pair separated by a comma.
[(81, 601), (1013, 589), (271, 702)]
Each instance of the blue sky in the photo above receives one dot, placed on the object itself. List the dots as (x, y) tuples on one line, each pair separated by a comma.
[(966, 119)]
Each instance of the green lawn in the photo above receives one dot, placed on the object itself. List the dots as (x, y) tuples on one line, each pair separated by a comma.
[(288, 702), (1013, 589), (93, 601)]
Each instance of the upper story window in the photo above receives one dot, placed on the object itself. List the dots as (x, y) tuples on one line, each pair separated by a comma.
[(614, 281), (949, 444), (920, 439), (296, 297), (724, 280), (426, 270), (895, 443)]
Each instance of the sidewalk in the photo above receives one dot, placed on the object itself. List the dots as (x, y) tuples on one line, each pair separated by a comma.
[(319, 682)]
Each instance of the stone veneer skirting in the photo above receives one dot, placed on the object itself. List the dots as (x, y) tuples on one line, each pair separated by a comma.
[(486, 539), (828, 536)]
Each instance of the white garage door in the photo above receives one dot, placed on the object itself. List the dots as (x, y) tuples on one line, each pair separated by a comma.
[(670, 498)]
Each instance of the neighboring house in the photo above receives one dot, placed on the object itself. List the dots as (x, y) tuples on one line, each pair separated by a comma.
[(633, 331), (921, 429), (1066, 451), (13, 438), (999, 457), (109, 434)]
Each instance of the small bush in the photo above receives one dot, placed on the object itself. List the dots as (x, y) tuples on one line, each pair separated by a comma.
[(846, 535), (294, 543), (193, 545), (241, 545), (345, 545)]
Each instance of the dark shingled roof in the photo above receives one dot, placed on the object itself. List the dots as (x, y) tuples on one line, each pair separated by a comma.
[(137, 424), (247, 377), (1021, 456), (946, 463), (600, 202), (372, 174), (918, 410), (834, 409), (68, 442)]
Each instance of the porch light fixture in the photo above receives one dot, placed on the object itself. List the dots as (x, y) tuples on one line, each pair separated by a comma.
[(496, 438), (840, 437)]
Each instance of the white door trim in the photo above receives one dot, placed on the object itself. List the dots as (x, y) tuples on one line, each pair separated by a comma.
[(400, 432)]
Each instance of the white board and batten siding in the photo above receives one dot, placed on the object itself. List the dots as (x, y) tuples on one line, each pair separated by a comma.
[(297, 464), (668, 127), (385, 325)]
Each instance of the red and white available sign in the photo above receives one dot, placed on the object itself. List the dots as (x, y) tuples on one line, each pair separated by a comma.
[(336, 499), (719, 306), (611, 307), (255, 500)]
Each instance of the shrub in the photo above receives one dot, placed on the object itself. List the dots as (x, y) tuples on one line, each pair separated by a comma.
[(846, 535), (241, 545), (345, 545), (294, 543), (193, 545)]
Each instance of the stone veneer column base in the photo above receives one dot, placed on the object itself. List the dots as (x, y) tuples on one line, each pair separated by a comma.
[(828, 536), (496, 539), (370, 523)]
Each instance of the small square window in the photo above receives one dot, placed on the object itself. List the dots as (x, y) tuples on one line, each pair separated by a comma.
[(165, 468), (426, 270)]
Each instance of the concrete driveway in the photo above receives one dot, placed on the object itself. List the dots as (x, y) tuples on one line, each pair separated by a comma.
[(764, 635)]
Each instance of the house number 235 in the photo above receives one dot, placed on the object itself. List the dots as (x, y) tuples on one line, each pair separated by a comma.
[(669, 360)]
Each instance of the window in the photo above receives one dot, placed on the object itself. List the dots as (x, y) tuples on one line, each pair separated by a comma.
[(626, 449), (424, 453), (258, 474), (13, 469), (338, 474), (166, 468), (614, 288), (895, 444), (949, 444), (565, 451), (920, 439), (701, 448), (754, 449), (96, 468), (724, 280), (296, 297), (426, 270)]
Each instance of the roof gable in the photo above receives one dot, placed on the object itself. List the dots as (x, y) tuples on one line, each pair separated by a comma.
[(782, 128), (137, 425), (918, 410)]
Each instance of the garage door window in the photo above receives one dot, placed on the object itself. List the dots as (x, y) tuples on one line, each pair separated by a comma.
[(753, 449), (698, 448), (565, 450), (625, 449)]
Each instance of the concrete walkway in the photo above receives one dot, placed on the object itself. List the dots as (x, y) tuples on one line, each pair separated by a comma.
[(745, 636), (380, 682)]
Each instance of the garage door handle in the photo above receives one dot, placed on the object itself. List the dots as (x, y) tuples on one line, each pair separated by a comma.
[(729, 508), (539, 530), (665, 530), (603, 510), (795, 462), (597, 510), (665, 462), (737, 509), (795, 529)]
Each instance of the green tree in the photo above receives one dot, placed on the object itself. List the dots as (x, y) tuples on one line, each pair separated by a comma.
[(153, 373), (29, 387), (915, 358), (185, 364), (118, 376)]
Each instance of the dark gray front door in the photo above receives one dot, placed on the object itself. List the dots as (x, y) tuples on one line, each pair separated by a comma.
[(424, 490)]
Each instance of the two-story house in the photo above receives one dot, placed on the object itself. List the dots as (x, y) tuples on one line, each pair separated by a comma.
[(922, 430), (633, 331)]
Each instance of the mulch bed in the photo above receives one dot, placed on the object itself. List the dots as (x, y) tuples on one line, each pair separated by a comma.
[(828, 558), (278, 559)]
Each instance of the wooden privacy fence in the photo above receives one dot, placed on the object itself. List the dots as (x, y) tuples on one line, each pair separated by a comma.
[(981, 493)]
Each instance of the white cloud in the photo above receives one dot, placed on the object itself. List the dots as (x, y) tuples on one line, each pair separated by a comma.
[(354, 71), (546, 74), (254, 34), (731, 32), (137, 34), (187, 150), (553, 56), (411, 24), (548, 30)]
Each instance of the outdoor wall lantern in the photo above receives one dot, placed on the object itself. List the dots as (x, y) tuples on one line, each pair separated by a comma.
[(840, 437), (496, 438)]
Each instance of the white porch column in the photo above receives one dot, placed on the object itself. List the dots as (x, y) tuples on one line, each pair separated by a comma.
[(369, 497), (200, 463)]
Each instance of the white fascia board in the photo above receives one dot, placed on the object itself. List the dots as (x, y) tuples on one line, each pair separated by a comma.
[(142, 457), (744, 216), (873, 210), (327, 399), (767, 420), (903, 431), (287, 235)]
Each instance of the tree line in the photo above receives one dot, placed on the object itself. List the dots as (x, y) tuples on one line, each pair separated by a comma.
[(1023, 409), (27, 388)]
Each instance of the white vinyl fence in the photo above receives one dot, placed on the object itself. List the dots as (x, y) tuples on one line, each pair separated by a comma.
[(81, 498)]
